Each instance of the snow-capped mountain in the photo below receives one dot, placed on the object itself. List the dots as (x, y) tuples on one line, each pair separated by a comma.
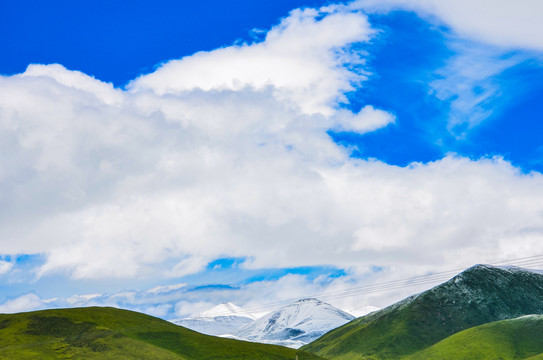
[(220, 320), (479, 295), (294, 325), (225, 310)]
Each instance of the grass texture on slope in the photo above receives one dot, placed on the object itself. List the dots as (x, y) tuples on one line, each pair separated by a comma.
[(108, 333), (520, 338), (479, 295)]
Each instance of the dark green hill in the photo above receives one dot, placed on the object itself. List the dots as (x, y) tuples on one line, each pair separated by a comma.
[(520, 338), (108, 333), (479, 295)]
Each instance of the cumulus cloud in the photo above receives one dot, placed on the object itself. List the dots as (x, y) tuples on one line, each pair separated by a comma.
[(366, 120), (198, 161), (301, 59)]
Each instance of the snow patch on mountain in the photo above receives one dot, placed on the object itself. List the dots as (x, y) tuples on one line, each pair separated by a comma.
[(296, 324), (224, 310), (221, 320), (516, 268)]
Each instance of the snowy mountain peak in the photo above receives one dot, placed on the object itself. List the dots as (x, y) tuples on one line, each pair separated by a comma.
[(309, 300), (224, 309), (296, 324), (223, 319)]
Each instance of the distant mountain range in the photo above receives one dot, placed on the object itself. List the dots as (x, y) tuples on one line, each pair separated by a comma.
[(296, 324), (107, 333), (223, 319), (483, 313), (293, 325), (425, 326)]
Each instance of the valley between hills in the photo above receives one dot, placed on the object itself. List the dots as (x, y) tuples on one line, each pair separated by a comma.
[(484, 312)]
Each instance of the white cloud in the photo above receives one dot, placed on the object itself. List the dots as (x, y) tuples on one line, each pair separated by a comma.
[(165, 288), (184, 309), (486, 38), (470, 84), (301, 60), (5, 266), (27, 302), (366, 120), (159, 180), (79, 300), (158, 310), (76, 80), (259, 297), (505, 23)]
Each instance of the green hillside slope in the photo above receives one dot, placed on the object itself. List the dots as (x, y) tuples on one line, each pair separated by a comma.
[(520, 338), (108, 333), (479, 295)]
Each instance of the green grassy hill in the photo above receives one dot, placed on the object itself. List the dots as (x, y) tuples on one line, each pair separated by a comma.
[(520, 338), (108, 333), (479, 295)]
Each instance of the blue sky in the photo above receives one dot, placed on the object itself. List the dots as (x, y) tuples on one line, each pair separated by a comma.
[(254, 152), (117, 41)]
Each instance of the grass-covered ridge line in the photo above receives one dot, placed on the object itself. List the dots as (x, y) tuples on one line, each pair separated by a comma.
[(479, 295), (520, 338), (109, 333)]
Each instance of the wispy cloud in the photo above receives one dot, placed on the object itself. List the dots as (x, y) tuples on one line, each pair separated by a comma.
[(486, 38), (505, 23), (471, 84), (5, 266), (26, 302)]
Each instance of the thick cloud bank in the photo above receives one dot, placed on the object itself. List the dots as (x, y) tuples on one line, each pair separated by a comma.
[(226, 153)]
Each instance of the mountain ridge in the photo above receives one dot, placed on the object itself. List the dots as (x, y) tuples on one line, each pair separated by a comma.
[(225, 309), (110, 333), (295, 324), (518, 338), (221, 320), (478, 295)]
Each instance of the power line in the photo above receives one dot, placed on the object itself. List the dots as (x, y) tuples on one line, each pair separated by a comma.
[(426, 279), (393, 285), (398, 284)]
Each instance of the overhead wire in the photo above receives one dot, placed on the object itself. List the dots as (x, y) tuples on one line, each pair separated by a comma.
[(425, 279)]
